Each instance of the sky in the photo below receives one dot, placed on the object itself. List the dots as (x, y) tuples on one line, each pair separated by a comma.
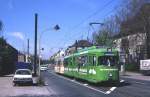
[(73, 17)]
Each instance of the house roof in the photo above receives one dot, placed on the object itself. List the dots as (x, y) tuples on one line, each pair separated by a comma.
[(82, 43)]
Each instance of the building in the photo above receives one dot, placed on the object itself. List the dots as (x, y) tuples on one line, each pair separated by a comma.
[(24, 57), (8, 57), (134, 46), (59, 56), (77, 45), (21, 57)]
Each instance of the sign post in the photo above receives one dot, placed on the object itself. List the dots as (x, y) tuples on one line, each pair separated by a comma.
[(122, 61)]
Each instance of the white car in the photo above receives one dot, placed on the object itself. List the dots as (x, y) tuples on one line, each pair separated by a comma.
[(43, 68), (22, 76)]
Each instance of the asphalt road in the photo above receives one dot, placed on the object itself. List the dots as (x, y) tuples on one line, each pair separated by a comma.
[(133, 88), (60, 86), (66, 88)]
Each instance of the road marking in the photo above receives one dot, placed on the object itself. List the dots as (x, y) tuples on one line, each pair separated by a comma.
[(121, 81), (108, 92), (80, 84), (111, 89), (85, 84), (73, 80), (139, 83), (46, 84)]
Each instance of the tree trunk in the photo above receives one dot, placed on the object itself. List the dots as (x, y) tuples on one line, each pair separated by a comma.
[(148, 39)]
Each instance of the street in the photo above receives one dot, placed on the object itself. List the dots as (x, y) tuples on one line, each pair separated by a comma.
[(75, 48), (65, 87), (60, 86)]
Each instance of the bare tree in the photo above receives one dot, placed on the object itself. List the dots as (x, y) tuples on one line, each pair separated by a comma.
[(137, 20), (144, 17), (132, 17), (105, 33), (126, 15)]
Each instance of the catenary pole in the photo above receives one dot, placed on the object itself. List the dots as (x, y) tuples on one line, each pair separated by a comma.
[(35, 45)]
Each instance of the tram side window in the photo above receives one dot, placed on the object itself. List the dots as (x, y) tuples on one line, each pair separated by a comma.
[(82, 60), (65, 63), (59, 62), (94, 60), (85, 60)]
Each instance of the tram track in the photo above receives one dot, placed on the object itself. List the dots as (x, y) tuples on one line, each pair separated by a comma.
[(126, 88), (105, 90)]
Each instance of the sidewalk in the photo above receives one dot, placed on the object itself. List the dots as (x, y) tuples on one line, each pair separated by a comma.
[(35, 80), (8, 90), (134, 75)]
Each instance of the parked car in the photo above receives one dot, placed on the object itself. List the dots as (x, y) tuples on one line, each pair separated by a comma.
[(22, 76)]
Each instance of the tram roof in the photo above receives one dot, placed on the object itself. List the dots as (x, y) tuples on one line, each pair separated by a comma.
[(92, 50)]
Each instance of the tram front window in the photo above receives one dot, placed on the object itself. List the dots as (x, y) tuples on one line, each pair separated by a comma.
[(107, 60)]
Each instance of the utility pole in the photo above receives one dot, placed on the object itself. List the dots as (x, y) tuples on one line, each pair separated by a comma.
[(28, 50), (76, 45), (35, 45)]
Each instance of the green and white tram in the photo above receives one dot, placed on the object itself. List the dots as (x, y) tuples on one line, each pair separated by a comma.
[(93, 64)]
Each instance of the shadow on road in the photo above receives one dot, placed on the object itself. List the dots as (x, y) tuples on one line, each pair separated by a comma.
[(124, 84), (26, 84), (10, 75)]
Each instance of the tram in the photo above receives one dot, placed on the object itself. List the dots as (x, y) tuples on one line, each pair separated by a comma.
[(93, 64), (59, 66)]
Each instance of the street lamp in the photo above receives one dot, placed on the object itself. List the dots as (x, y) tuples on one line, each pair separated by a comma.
[(95, 23), (56, 28)]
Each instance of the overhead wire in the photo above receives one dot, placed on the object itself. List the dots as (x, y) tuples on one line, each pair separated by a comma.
[(90, 16), (83, 21)]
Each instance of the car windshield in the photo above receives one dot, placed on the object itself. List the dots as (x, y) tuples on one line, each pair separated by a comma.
[(23, 72)]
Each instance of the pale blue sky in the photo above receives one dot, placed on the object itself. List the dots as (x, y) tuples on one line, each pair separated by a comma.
[(73, 16)]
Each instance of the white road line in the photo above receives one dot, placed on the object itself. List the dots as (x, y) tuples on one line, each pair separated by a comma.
[(121, 81), (72, 80), (108, 92), (134, 82), (46, 84), (85, 84), (81, 84), (111, 89), (139, 83)]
